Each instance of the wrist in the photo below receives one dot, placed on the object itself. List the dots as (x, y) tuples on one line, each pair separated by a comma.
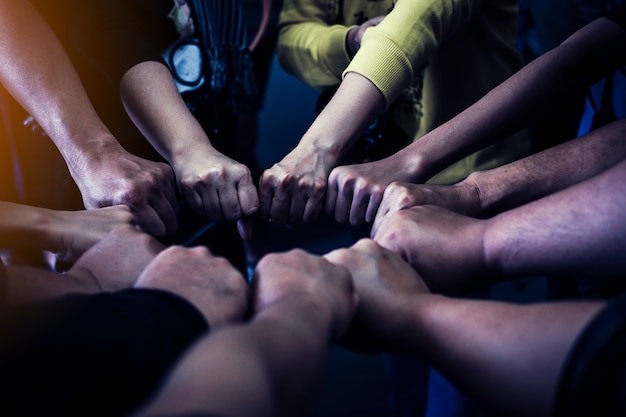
[(82, 156), (303, 311), (410, 332), (468, 192)]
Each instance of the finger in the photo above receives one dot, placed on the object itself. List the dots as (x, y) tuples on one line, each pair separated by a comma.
[(296, 209), (150, 222), (372, 207), (266, 195), (344, 203), (331, 193), (193, 199), (312, 209), (358, 208), (244, 227), (229, 203), (211, 203), (168, 212), (279, 210), (169, 191), (248, 197)]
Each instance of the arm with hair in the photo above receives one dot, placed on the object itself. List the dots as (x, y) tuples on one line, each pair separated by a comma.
[(487, 193), (545, 82), (580, 229), (46, 84), (504, 356)]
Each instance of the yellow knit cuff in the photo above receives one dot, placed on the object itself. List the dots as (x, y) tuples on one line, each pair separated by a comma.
[(381, 61)]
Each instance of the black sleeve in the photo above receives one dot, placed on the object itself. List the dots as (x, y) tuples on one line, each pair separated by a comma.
[(92, 355), (593, 380)]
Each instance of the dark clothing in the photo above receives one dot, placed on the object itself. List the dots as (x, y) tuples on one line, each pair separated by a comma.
[(593, 381), (97, 355)]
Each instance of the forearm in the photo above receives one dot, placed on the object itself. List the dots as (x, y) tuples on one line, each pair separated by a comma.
[(506, 357), (46, 84), (26, 227), (549, 171), (255, 362), (153, 102), (546, 82), (353, 107), (581, 229)]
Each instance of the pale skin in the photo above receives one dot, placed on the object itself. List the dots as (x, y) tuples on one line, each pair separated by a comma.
[(292, 191), (248, 369), (210, 182), (506, 357), (580, 229), (355, 191), (104, 172)]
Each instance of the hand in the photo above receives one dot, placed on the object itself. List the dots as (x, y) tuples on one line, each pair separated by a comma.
[(77, 231), (355, 191), (147, 187), (286, 275), (462, 198), (292, 190), (210, 283), (385, 285), (444, 247), (216, 185), (355, 35), (117, 260)]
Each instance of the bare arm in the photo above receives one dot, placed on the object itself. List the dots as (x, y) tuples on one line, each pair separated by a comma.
[(46, 84), (486, 193), (66, 233), (211, 183), (302, 302), (292, 191), (506, 357), (549, 80), (355, 191), (579, 229)]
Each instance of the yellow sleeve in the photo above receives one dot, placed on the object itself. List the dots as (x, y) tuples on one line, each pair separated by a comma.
[(309, 45), (392, 52)]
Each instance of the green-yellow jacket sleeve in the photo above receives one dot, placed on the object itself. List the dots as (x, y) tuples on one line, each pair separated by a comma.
[(392, 52), (310, 46)]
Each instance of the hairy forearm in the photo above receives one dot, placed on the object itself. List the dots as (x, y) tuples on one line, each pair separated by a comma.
[(549, 171), (546, 82), (581, 229), (45, 83), (506, 357)]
